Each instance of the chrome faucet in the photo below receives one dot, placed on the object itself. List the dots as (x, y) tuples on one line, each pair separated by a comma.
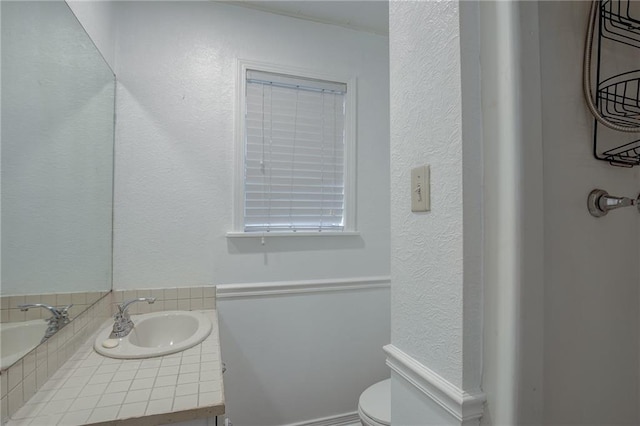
[(59, 318), (123, 324)]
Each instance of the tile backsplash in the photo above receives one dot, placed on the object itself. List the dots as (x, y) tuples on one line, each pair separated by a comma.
[(9, 311), (169, 299)]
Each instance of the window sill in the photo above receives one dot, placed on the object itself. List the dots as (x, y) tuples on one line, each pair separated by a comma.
[(240, 234)]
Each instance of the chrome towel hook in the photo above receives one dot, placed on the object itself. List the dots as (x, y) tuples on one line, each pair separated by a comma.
[(600, 202)]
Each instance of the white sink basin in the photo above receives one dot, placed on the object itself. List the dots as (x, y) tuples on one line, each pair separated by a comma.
[(18, 339), (157, 334)]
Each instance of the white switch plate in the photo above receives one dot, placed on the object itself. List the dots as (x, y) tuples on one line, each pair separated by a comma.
[(420, 189)]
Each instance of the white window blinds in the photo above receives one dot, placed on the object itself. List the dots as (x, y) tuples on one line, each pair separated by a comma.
[(294, 154)]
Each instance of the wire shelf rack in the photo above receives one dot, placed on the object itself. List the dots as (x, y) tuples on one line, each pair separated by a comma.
[(618, 97), (626, 155), (621, 21)]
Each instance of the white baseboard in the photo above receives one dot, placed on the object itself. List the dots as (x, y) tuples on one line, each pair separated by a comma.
[(349, 419), (227, 291), (465, 406)]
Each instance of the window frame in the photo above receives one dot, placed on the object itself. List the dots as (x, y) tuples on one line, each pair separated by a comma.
[(349, 214)]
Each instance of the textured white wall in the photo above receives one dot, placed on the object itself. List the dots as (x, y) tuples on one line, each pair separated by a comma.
[(291, 358), (591, 276), (57, 153), (426, 248), (436, 257), (97, 18), (175, 146)]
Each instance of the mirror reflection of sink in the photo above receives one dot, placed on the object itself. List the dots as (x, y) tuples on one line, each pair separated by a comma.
[(18, 339), (156, 334)]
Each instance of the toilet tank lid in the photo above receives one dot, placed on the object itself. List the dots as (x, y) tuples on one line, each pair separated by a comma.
[(375, 401)]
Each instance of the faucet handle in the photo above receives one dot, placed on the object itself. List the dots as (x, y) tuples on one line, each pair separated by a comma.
[(123, 324), (64, 311), (600, 202)]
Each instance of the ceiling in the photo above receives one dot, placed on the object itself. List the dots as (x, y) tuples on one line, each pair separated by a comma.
[(365, 15)]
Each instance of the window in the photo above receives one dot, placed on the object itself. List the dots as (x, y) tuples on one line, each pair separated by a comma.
[(296, 151)]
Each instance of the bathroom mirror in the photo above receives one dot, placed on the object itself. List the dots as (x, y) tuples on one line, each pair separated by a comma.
[(57, 114)]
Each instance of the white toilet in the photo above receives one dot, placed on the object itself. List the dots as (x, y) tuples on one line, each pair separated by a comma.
[(374, 407)]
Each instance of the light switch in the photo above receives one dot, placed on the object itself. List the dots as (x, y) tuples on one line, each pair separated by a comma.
[(420, 189)]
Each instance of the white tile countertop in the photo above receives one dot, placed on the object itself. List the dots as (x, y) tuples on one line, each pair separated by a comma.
[(90, 389)]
